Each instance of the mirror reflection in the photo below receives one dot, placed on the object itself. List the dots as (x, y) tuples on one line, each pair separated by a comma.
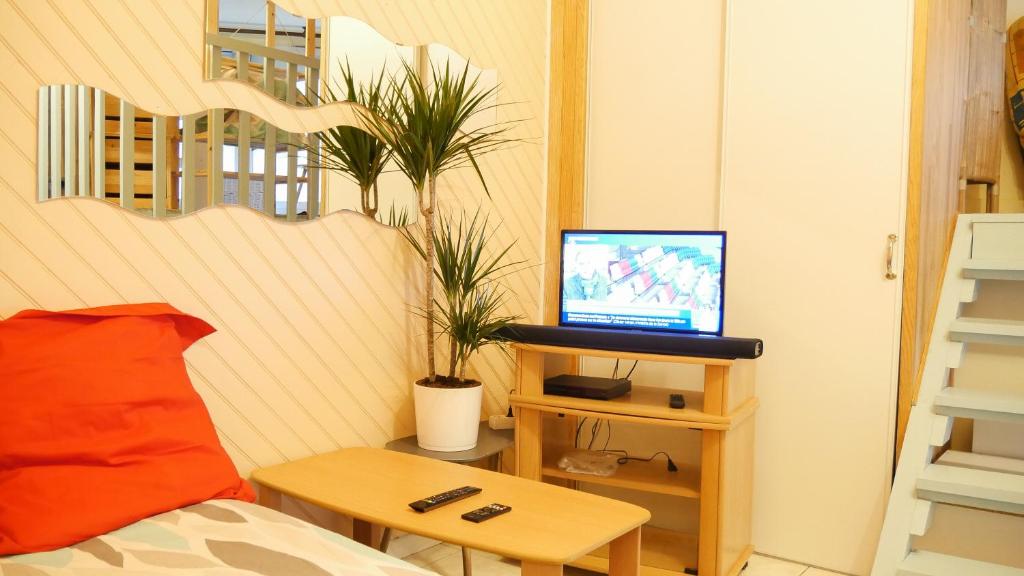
[(265, 46), (95, 144)]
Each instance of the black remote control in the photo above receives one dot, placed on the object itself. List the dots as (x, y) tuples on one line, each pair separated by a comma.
[(443, 498), (676, 401), (486, 513)]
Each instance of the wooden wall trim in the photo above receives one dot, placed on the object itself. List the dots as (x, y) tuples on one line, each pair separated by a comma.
[(912, 233), (939, 88), (567, 135)]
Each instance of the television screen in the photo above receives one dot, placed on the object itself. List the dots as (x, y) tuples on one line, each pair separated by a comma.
[(631, 280)]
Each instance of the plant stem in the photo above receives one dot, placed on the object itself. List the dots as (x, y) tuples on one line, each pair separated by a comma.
[(454, 357), (370, 211), (376, 200), (429, 240)]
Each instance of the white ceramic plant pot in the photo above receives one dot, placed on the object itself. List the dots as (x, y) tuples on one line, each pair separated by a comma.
[(447, 419)]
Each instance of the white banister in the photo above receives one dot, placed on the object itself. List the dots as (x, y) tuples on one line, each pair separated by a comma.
[(56, 189), (126, 162), (291, 81), (99, 143), (159, 166), (70, 155), (215, 169), (244, 154), (312, 174), (270, 170), (236, 45), (292, 181), (292, 202), (188, 164), (84, 109), (242, 65)]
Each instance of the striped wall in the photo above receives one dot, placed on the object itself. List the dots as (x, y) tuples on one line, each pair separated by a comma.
[(316, 346)]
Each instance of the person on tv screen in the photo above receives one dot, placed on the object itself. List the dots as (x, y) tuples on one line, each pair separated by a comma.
[(589, 280)]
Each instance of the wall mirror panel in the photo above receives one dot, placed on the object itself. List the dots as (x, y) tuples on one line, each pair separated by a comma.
[(264, 46), (94, 144)]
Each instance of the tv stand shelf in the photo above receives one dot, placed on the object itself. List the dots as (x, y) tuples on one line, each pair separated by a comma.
[(642, 404), (723, 414), (650, 476)]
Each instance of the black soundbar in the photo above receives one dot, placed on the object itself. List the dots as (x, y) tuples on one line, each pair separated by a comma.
[(635, 341)]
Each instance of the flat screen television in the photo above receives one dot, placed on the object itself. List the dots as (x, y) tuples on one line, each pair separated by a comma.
[(664, 281)]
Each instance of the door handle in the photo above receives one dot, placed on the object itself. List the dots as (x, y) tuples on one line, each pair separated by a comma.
[(889, 274)]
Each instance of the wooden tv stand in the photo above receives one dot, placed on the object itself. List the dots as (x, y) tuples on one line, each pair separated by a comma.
[(724, 416)]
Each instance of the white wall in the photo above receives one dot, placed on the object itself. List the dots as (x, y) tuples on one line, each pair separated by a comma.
[(817, 114), (653, 125), (653, 143)]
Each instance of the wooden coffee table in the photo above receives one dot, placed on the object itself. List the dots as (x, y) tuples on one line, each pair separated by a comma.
[(548, 526)]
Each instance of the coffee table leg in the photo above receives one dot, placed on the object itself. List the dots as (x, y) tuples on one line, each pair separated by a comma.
[(535, 569), (362, 532), (624, 554), (269, 498)]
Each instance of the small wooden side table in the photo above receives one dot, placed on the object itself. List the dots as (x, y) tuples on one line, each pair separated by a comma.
[(549, 526), (489, 445)]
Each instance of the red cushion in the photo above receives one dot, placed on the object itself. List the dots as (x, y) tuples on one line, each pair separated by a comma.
[(100, 424)]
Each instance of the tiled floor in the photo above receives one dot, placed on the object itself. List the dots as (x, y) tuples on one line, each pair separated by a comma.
[(446, 559)]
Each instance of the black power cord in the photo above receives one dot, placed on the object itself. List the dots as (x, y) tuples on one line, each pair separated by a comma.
[(671, 465), (595, 430)]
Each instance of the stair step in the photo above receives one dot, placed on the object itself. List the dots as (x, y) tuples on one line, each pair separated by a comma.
[(143, 129), (980, 404), (990, 330), (994, 269), (923, 563), (985, 489), (982, 462), (143, 182), (143, 151)]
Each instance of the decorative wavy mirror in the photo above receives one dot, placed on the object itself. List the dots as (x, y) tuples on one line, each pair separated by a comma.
[(92, 143)]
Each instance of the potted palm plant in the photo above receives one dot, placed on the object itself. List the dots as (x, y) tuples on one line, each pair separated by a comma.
[(470, 313), (353, 152), (422, 125)]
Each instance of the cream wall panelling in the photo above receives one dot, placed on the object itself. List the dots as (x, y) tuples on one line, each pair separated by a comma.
[(316, 346)]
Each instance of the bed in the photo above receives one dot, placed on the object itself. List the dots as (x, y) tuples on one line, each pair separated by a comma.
[(110, 464), (215, 538)]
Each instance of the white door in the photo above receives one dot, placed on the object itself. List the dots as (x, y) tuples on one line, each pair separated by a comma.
[(813, 181)]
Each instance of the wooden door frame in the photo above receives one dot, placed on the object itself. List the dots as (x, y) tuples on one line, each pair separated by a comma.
[(937, 52), (567, 137), (908, 368)]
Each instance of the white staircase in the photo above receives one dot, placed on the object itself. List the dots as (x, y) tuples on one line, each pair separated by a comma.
[(985, 247)]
